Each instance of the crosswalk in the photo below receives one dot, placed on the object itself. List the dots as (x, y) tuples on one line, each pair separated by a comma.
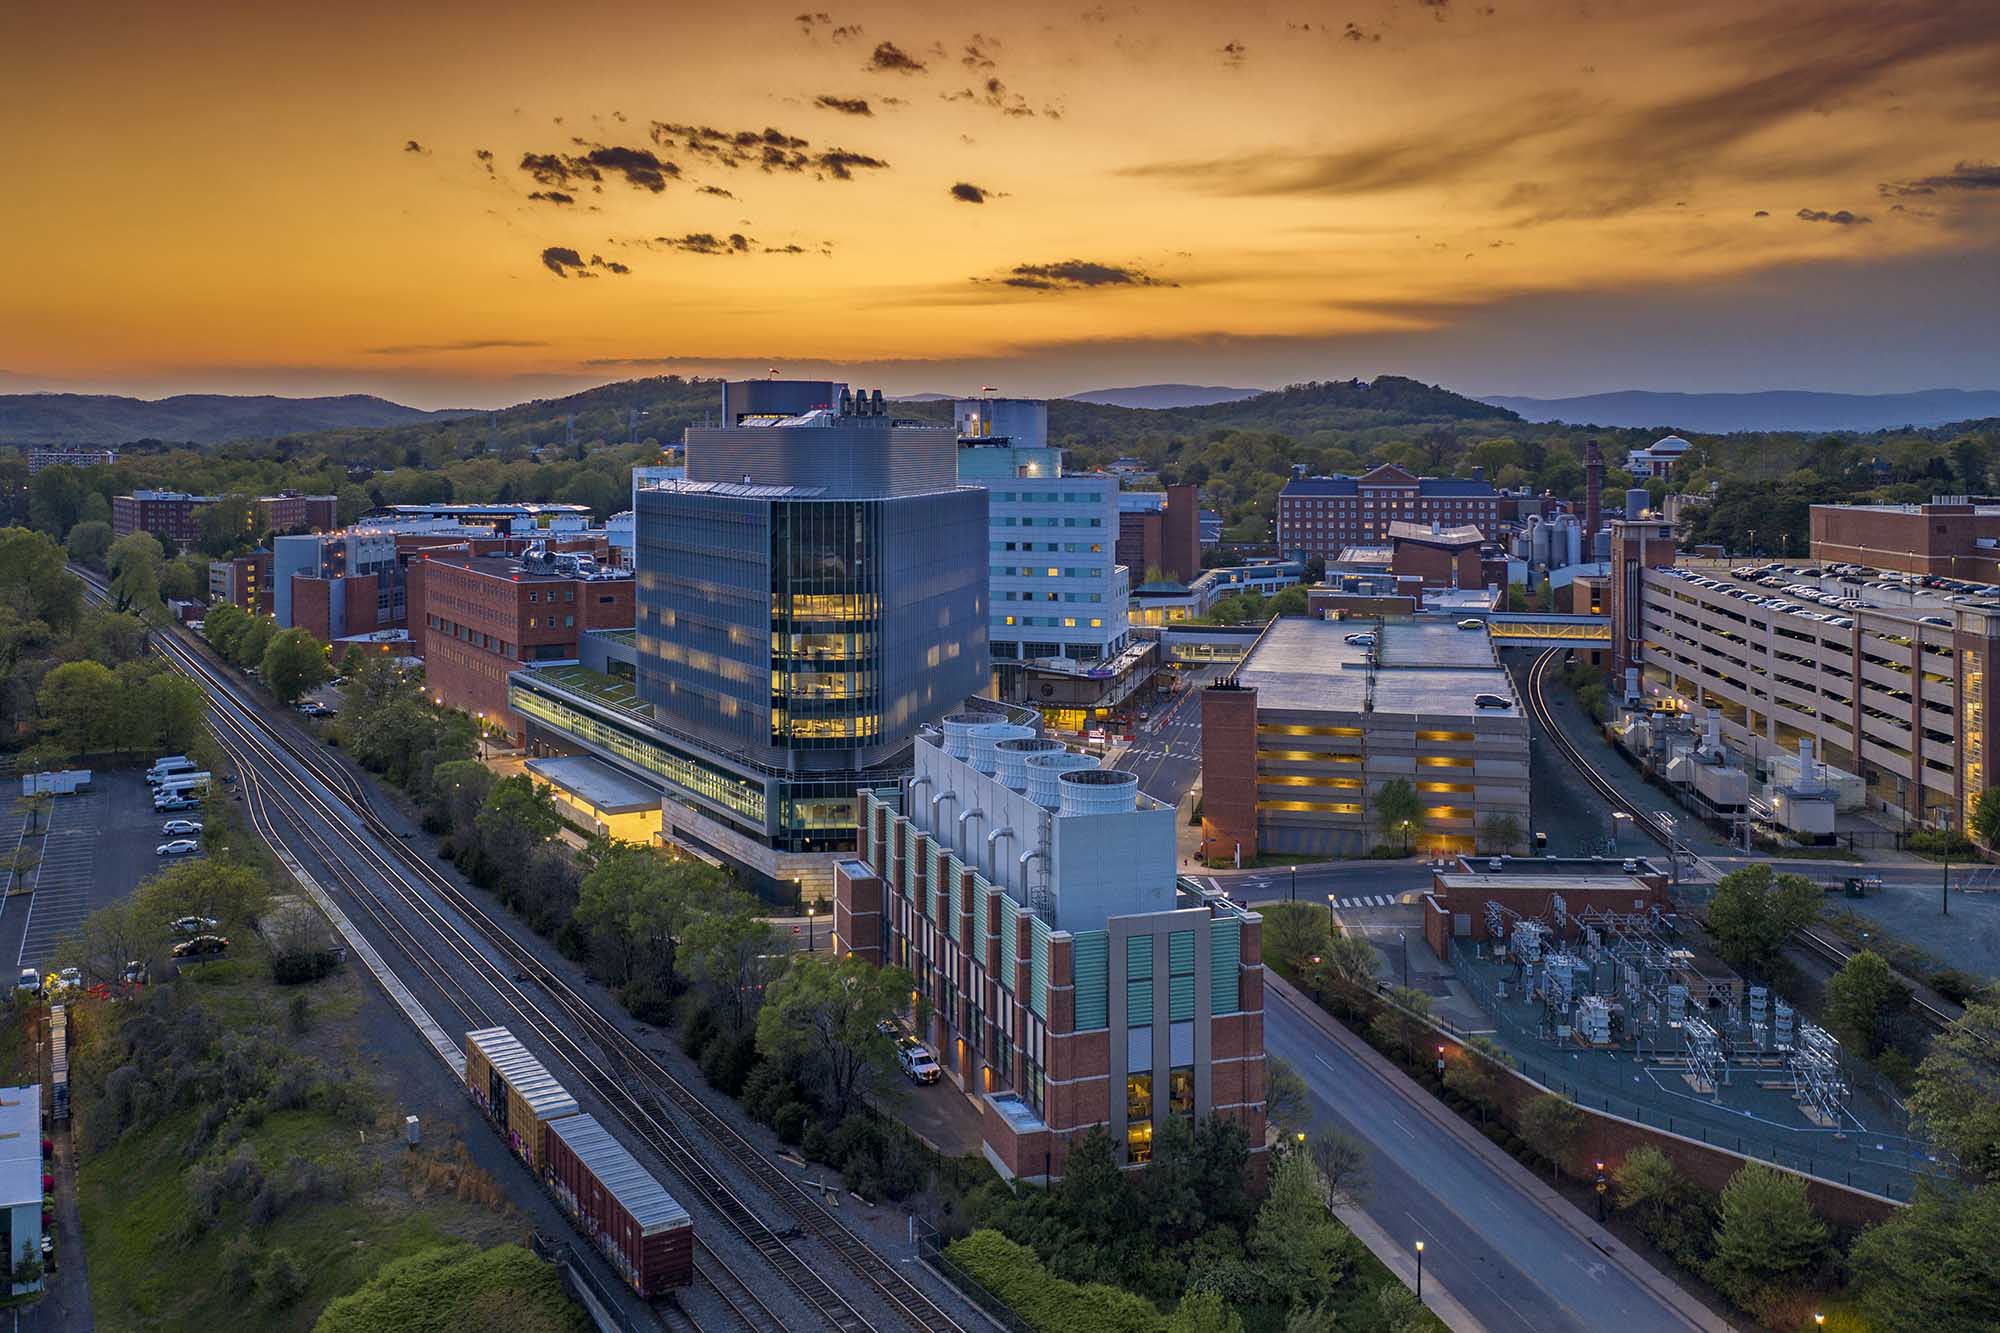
[(1365, 900)]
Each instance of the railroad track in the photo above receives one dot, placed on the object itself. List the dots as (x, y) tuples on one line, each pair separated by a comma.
[(633, 1079), (1539, 705), (1812, 941)]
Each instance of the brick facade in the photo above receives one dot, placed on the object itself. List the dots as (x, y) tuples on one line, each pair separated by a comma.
[(1940, 539), (1228, 772)]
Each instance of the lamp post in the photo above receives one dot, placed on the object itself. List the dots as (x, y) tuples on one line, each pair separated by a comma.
[(1420, 1271), (1440, 1064), (809, 928), (1403, 939), (1295, 883), (1601, 1187), (1944, 889), (1406, 837)]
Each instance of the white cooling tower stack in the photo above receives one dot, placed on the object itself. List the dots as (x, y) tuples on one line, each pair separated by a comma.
[(1045, 769), (1010, 758), (982, 739), (1097, 791), (958, 732)]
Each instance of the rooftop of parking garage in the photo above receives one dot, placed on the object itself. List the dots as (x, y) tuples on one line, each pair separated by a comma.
[(1434, 669), (1883, 595)]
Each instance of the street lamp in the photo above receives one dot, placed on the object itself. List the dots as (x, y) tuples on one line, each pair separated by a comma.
[(1406, 837), (1440, 1063), (1403, 939), (1602, 1187), (1420, 1270), (809, 927)]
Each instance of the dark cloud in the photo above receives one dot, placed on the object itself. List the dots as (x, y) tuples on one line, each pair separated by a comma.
[(485, 156), (847, 106), (993, 93), (771, 149), (564, 262), (1233, 53), (469, 345), (703, 243), (1072, 275), (1842, 218), (847, 32), (892, 58), (1964, 176), (412, 146), (841, 164), (640, 167), (1762, 213), (978, 52), (815, 19), (553, 197), (715, 190), (1354, 32), (968, 194)]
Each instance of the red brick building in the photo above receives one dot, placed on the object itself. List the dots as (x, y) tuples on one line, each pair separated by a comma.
[(1164, 536), (1442, 557), (1118, 1002), (243, 581), (475, 618), (1636, 545), (172, 515), (1956, 538), (289, 512), (1317, 516)]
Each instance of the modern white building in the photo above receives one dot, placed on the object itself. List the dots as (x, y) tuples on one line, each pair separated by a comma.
[(21, 1173), (1057, 590), (1656, 459)]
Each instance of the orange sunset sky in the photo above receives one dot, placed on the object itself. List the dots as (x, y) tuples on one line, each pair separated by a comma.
[(477, 203)]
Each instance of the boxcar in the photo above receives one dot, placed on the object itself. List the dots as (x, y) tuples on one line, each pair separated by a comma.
[(646, 1235), (516, 1093)]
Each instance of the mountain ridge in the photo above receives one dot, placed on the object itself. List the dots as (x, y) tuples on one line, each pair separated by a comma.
[(41, 419), (1766, 410), (1161, 397)]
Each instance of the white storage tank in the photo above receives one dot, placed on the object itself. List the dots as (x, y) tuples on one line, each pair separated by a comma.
[(958, 732), (1098, 791), (1010, 758), (982, 739), (1045, 769)]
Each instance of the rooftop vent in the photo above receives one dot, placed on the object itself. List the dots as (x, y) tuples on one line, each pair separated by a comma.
[(983, 738), (1045, 769), (1098, 791), (1010, 758)]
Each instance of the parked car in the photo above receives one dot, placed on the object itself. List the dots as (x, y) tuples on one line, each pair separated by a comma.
[(1491, 701), (201, 946), (71, 978), (918, 1064), (1472, 624), (178, 847), (181, 828), (1361, 640), (194, 925), (135, 973), (31, 980)]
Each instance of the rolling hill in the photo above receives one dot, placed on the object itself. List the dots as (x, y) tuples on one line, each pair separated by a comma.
[(1157, 396), (191, 418), (1777, 410)]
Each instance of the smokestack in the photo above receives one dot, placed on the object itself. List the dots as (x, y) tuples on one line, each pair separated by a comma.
[(846, 402), (1593, 488), (876, 404)]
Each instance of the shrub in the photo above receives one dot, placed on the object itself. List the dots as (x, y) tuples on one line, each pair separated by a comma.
[(728, 1061), (1046, 1303), (282, 1281), (239, 1263), (698, 1026), (790, 1122), (1767, 1238)]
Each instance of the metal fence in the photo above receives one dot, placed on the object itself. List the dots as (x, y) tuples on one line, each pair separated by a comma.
[(930, 1248)]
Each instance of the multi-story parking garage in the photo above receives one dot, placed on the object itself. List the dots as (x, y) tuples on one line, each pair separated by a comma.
[(1885, 675)]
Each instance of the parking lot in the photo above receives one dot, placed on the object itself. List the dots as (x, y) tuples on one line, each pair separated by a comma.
[(97, 847)]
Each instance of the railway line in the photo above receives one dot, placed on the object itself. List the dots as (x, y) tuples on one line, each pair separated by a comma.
[(1815, 942), (632, 1082)]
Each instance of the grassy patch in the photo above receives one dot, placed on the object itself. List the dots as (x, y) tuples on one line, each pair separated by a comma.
[(330, 1198)]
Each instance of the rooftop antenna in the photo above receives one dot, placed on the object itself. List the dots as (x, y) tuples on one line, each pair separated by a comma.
[(772, 372)]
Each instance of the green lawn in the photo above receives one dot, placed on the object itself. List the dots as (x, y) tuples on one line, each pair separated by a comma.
[(148, 1271)]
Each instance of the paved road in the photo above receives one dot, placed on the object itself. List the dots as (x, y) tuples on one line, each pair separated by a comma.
[(1500, 1251), (1347, 882), (1167, 752)]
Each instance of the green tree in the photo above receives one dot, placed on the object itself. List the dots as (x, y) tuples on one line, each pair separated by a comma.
[(458, 790), (178, 709), (89, 543), (35, 583), (1957, 1097), (250, 643), (294, 662), (1671, 1210), (1986, 817), (1474, 1073), (78, 702), (35, 808), (134, 563), (1342, 1163), (1402, 1024), (1754, 913), (823, 1015), (1295, 932), (1301, 1250), (1932, 1267), (1398, 813), (1204, 1312), (635, 904), (1500, 833), (1859, 998), (228, 525), (1553, 1126), (1347, 962), (55, 500), (1287, 1099), (1766, 1235), (729, 949), (232, 894)]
